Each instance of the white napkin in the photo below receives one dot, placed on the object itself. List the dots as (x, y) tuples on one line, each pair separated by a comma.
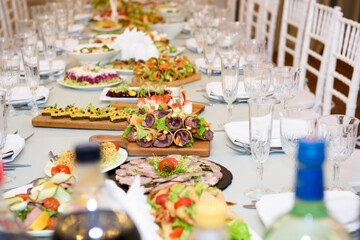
[(191, 43), (13, 143), (239, 132), (58, 65), (23, 94), (74, 28), (134, 202), (214, 89), (136, 45), (201, 64), (342, 205)]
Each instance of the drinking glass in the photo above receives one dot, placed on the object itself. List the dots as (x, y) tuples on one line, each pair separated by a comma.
[(69, 4), (48, 33), (209, 47), (37, 11), (199, 37), (257, 79), (30, 58), (340, 132), (62, 24), (9, 77), (25, 26), (260, 120), (255, 51), (286, 83), (296, 124), (230, 79)]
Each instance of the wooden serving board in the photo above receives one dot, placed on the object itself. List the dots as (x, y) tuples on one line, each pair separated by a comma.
[(196, 77), (199, 148), (48, 121)]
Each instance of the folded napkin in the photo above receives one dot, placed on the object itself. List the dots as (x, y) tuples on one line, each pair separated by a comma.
[(21, 95), (57, 65), (76, 28), (214, 90), (13, 146), (342, 205), (134, 203), (201, 64), (191, 43), (136, 45), (238, 132)]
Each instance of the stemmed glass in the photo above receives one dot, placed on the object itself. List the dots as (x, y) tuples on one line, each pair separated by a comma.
[(25, 26), (261, 117), (255, 51), (48, 33), (286, 83), (209, 47), (296, 124), (340, 132), (30, 58), (62, 24), (257, 79)]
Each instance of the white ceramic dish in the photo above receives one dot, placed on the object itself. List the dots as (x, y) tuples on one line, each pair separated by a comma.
[(179, 51), (119, 161), (171, 29), (90, 87), (85, 58), (104, 36), (171, 14)]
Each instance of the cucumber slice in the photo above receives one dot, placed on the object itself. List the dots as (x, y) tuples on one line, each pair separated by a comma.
[(11, 200), (62, 195), (60, 178), (34, 196), (49, 192)]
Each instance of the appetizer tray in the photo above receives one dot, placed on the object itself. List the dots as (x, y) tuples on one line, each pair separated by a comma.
[(199, 147), (48, 121), (195, 77)]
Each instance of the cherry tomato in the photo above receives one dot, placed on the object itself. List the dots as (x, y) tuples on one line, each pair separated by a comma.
[(160, 199), (116, 147), (176, 233), (54, 170), (51, 224), (64, 169), (168, 164), (22, 195), (51, 203), (184, 201)]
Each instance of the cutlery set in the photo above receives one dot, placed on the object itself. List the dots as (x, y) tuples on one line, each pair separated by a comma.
[(219, 99), (245, 149)]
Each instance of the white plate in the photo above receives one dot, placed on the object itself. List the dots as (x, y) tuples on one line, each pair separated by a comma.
[(104, 29), (119, 161), (178, 52), (103, 97), (91, 87), (124, 71), (23, 189), (201, 65)]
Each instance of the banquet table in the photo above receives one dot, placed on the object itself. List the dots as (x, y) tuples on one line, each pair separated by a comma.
[(278, 170)]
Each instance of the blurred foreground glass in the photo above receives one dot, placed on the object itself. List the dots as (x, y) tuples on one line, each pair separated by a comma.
[(30, 58), (257, 79), (48, 33), (296, 124), (260, 127), (62, 24), (25, 26), (286, 83), (37, 11), (255, 51), (209, 48), (340, 132)]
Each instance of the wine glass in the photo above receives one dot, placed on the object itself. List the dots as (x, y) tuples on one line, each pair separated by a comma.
[(340, 132), (30, 58), (25, 26), (257, 79), (48, 33), (296, 124), (260, 127), (62, 24), (209, 47), (286, 83), (255, 51)]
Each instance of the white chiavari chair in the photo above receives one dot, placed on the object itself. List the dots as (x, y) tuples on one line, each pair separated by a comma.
[(242, 11), (292, 30), (346, 48), (319, 32), (10, 15), (231, 7), (22, 9), (255, 10), (3, 26)]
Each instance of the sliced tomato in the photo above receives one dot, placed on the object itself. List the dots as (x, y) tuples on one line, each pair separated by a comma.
[(52, 222), (116, 147), (51, 203), (64, 169), (176, 233), (167, 98), (184, 201), (54, 170), (167, 164), (161, 199), (173, 160), (22, 195)]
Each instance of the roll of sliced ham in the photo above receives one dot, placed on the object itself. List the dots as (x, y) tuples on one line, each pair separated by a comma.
[(132, 134), (164, 138), (182, 137), (148, 140), (173, 122), (149, 120)]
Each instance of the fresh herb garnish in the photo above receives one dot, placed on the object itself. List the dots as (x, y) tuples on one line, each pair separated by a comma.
[(182, 167), (22, 214)]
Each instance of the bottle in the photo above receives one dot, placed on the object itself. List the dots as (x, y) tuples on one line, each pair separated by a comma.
[(309, 218), (210, 221), (10, 228), (92, 212)]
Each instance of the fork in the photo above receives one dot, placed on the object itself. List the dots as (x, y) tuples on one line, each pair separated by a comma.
[(53, 157), (28, 137), (251, 206), (247, 151)]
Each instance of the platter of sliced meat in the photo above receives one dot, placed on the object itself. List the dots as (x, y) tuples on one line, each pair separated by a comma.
[(157, 172)]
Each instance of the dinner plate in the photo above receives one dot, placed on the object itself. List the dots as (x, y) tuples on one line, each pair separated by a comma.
[(90, 87), (202, 66), (23, 189), (178, 52), (105, 29), (119, 161), (103, 97)]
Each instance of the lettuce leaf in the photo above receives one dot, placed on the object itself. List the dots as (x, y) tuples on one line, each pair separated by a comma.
[(160, 123), (238, 230), (199, 188), (180, 223), (185, 235), (141, 133), (202, 125), (127, 131), (153, 204)]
